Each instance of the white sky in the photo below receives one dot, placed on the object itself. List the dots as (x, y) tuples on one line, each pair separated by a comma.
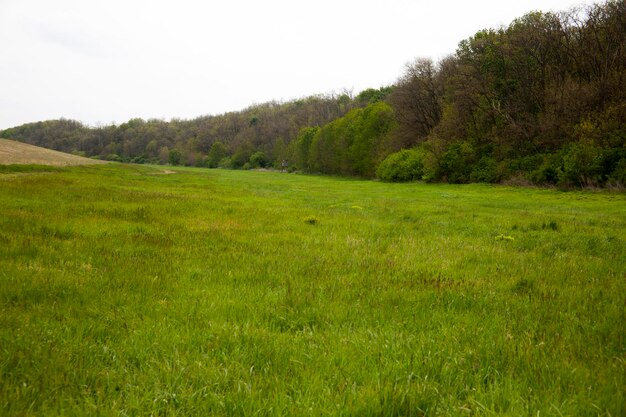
[(104, 61)]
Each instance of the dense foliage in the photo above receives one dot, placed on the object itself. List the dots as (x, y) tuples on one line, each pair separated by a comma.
[(204, 141), (541, 100), (406, 165)]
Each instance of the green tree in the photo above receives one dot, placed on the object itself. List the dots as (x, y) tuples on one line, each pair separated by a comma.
[(164, 155), (371, 137), (372, 95), (175, 157), (216, 154), (152, 149), (302, 147)]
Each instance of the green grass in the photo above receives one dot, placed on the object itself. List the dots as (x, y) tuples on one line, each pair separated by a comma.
[(20, 168), (124, 291)]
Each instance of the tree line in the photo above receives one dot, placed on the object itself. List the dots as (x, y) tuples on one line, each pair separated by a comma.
[(266, 128), (538, 101)]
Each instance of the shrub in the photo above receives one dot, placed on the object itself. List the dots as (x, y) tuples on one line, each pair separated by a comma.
[(175, 156), (582, 165), (406, 165), (240, 157), (456, 163), (548, 171), (486, 170), (618, 176), (140, 159), (520, 167), (225, 162), (258, 160)]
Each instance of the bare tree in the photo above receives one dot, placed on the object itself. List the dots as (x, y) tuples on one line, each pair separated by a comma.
[(416, 100)]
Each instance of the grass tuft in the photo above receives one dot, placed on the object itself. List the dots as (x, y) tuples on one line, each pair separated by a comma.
[(311, 220), (552, 225)]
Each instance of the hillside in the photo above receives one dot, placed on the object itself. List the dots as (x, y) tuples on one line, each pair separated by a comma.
[(12, 152), (539, 101)]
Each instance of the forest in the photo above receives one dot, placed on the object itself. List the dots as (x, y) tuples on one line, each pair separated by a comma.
[(539, 101)]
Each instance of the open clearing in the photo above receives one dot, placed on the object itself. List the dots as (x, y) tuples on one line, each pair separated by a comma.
[(214, 292), (13, 152)]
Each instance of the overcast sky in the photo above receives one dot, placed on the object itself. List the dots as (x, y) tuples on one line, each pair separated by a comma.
[(107, 61)]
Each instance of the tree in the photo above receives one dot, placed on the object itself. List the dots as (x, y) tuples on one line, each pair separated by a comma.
[(164, 155), (216, 154), (151, 148), (416, 100), (371, 138), (302, 147), (175, 157), (372, 95)]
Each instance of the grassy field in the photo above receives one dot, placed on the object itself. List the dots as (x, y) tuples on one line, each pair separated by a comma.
[(13, 152), (131, 291)]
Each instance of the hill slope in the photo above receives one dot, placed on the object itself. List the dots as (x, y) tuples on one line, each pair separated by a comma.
[(12, 152)]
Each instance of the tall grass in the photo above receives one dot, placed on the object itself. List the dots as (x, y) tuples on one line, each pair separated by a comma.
[(125, 291)]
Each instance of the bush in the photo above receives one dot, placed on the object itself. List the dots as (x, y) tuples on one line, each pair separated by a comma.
[(548, 170), (523, 166), (582, 165), (456, 163), (241, 157), (140, 159), (486, 170), (175, 157), (612, 162), (258, 160), (225, 162), (406, 165), (618, 176)]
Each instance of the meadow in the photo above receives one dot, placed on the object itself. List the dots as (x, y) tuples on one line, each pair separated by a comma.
[(138, 291)]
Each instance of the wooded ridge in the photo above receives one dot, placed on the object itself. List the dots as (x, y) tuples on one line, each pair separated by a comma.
[(540, 101)]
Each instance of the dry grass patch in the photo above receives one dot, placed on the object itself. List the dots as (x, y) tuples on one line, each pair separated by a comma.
[(17, 153)]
